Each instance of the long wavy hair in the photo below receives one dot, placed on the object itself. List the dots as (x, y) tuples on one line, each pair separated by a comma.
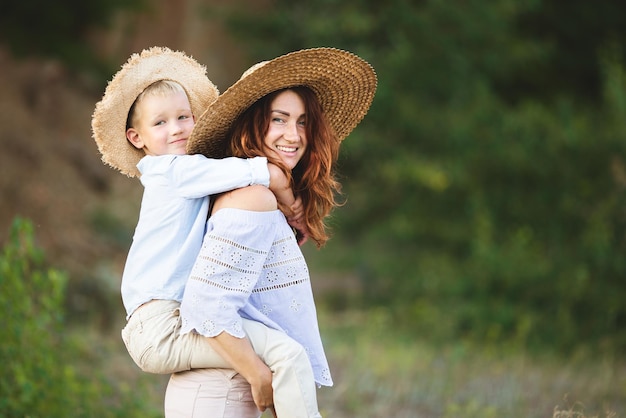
[(313, 178)]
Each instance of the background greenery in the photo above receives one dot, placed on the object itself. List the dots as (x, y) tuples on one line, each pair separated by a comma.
[(52, 371), (485, 188), (486, 185), (46, 371)]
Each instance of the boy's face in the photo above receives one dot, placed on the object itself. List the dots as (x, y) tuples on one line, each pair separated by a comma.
[(163, 125)]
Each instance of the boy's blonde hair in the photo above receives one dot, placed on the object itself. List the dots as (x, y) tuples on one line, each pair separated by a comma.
[(111, 115), (161, 88)]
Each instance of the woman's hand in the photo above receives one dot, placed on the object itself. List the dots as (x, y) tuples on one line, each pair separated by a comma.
[(261, 387), (238, 352)]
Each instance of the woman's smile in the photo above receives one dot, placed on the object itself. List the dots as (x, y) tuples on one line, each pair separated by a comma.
[(286, 149), (287, 131)]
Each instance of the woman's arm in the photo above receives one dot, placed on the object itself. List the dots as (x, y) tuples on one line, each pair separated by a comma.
[(240, 354), (238, 351)]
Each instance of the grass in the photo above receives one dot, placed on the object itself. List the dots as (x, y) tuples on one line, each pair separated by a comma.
[(379, 373)]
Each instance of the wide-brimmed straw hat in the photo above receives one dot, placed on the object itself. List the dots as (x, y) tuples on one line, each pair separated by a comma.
[(108, 123), (344, 84)]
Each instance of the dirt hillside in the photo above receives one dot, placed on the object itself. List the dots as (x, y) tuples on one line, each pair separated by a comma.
[(50, 169)]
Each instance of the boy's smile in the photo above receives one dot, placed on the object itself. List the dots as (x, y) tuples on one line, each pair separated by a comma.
[(163, 124)]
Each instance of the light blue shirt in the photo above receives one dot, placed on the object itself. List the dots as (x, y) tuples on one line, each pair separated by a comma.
[(251, 266), (172, 220)]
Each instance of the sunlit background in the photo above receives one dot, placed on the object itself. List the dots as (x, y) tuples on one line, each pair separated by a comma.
[(477, 268)]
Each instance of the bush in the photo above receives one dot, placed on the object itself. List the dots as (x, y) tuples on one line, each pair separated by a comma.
[(40, 366)]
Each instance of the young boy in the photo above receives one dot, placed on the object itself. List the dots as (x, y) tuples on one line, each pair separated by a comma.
[(141, 126)]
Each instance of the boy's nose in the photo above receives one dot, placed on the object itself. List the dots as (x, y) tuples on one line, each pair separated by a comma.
[(177, 127)]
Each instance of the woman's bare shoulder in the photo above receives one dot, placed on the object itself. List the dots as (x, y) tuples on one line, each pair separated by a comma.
[(257, 198)]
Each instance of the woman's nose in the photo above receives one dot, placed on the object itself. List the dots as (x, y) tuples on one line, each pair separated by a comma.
[(291, 132)]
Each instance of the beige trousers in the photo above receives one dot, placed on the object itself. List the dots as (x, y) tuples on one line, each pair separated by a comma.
[(209, 393), (152, 338)]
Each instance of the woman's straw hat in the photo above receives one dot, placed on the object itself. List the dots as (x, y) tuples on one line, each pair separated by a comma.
[(108, 122), (344, 83)]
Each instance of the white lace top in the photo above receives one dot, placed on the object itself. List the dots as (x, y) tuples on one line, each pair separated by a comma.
[(251, 266)]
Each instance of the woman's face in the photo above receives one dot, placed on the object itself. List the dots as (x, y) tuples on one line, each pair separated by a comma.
[(286, 135)]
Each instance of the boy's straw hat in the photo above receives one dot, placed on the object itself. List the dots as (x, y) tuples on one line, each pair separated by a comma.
[(108, 122), (344, 83)]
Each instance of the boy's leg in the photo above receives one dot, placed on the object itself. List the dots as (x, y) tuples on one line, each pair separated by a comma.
[(153, 340), (293, 381), (152, 337)]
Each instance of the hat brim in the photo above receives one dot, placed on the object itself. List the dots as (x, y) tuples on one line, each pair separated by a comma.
[(344, 84), (141, 70)]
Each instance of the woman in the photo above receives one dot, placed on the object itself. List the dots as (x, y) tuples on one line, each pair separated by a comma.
[(294, 110)]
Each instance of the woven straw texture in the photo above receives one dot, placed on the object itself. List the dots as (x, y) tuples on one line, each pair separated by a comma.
[(344, 83), (108, 123)]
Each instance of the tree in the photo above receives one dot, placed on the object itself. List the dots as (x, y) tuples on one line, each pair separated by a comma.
[(58, 29), (485, 186)]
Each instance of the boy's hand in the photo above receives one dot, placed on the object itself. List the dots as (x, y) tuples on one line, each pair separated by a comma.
[(286, 210), (278, 180), (302, 234), (292, 208), (296, 221), (297, 211)]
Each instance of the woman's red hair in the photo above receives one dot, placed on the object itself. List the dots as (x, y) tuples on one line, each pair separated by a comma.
[(313, 179)]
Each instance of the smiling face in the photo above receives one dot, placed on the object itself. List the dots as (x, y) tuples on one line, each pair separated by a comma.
[(286, 135), (162, 123)]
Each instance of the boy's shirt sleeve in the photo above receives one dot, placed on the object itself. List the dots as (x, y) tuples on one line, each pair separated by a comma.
[(195, 176)]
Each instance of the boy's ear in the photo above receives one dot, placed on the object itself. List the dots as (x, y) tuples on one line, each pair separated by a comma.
[(133, 137)]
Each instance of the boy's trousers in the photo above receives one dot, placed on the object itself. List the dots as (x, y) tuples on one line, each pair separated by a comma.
[(152, 338)]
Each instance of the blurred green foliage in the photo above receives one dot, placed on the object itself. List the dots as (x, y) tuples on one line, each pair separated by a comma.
[(40, 367), (60, 28), (486, 185)]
